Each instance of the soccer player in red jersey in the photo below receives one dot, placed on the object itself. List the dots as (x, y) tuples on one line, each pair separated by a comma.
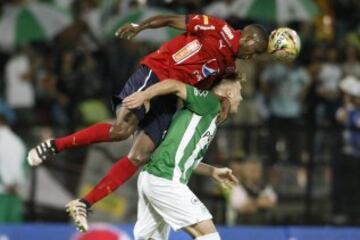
[(204, 54)]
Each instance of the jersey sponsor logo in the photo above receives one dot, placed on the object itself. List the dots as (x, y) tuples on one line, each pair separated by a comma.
[(228, 32), (200, 93), (187, 51), (204, 27), (210, 68)]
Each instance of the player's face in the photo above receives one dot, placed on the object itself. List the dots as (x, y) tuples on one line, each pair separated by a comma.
[(248, 50), (234, 96)]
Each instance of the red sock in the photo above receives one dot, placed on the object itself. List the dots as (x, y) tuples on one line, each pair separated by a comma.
[(119, 173), (96, 133)]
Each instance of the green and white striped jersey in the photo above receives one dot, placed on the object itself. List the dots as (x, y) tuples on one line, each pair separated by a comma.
[(188, 137)]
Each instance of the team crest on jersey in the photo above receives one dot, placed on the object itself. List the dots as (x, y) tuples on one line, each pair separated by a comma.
[(210, 68), (195, 201)]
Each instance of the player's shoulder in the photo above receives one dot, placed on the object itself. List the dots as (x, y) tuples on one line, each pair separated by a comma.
[(204, 18), (205, 22), (207, 95)]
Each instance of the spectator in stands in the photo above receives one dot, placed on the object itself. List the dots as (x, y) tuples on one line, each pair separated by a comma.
[(327, 88), (353, 39), (12, 175), (51, 103), (251, 195), (351, 66), (329, 100), (347, 166), (78, 35), (284, 86), (19, 82), (220, 9)]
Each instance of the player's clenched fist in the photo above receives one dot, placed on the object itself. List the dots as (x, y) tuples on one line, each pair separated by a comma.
[(225, 176), (128, 31)]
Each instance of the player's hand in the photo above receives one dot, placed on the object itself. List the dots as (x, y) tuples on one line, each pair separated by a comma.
[(128, 31), (264, 202), (225, 177), (134, 100), (224, 112)]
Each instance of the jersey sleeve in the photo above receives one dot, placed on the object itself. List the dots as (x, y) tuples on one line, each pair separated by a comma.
[(201, 102), (202, 23)]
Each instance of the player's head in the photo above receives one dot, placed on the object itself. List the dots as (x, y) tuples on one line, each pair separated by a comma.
[(230, 90), (253, 41)]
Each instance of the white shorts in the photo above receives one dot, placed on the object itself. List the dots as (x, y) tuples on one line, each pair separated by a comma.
[(163, 204)]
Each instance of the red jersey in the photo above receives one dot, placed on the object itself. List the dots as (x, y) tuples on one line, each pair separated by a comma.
[(205, 52)]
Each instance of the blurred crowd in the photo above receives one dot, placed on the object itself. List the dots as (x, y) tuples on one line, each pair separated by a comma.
[(294, 143)]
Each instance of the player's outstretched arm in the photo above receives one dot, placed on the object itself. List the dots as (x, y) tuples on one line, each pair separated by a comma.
[(222, 175), (164, 87), (130, 30)]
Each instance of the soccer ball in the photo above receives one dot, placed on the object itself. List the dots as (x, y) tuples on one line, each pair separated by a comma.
[(284, 44)]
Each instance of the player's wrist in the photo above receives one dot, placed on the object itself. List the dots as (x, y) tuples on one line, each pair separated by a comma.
[(213, 172), (141, 27)]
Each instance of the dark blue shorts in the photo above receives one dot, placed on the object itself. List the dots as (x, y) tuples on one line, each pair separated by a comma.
[(155, 122)]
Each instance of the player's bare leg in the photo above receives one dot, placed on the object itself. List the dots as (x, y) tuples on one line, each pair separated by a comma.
[(141, 149), (205, 230), (125, 124)]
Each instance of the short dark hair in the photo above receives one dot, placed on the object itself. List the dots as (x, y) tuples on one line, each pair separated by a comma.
[(261, 36)]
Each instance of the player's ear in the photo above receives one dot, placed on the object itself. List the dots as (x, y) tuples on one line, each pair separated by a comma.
[(229, 93)]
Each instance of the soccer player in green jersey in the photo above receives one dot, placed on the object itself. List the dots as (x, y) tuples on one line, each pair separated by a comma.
[(172, 163), (165, 200)]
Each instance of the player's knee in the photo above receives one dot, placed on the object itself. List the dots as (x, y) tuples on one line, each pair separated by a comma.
[(211, 236), (120, 131), (139, 158)]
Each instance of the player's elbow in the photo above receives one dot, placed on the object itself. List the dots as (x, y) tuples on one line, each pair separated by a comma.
[(180, 89), (177, 21)]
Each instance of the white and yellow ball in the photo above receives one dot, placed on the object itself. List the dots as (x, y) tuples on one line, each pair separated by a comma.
[(284, 44)]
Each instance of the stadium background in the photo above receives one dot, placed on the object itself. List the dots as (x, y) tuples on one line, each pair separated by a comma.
[(71, 72)]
